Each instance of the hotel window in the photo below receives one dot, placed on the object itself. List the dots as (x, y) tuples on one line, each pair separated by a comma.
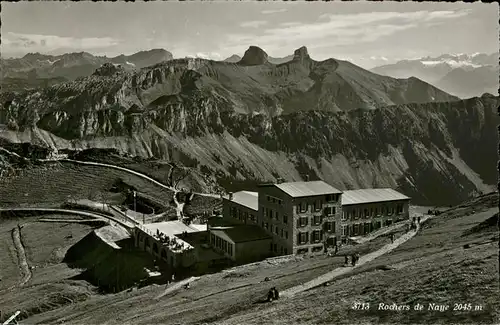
[(366, 213), (302, 221), (317, 220), (272, 228), (330, 211), (285, 219), (280, 202), (383, 210), (344, 231), (268, 198), (266, 225), (376, 211), (286, 234), (302, 207), (316, 236), (281, 233), (303, 237), (344, 215), (317, 205), (355, 229), (330, 198), (233, 212), (277, 216), (276, 230), (330, 226), (252, 217), (400, 208)]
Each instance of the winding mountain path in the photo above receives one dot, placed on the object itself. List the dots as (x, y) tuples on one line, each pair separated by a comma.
[(344, 270), (91, 163), (21, 255)]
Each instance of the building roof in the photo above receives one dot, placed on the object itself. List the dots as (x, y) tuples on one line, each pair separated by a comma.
[(170, 228), (301, 189), (243, 233), (247, 199), (371, 195)]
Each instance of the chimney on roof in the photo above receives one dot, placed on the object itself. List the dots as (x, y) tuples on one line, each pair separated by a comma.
[(230, 196)]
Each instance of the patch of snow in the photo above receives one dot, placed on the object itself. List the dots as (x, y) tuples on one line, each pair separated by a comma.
[(129, 63)]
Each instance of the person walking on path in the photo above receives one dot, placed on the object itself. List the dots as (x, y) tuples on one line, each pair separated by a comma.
[(353, 259)]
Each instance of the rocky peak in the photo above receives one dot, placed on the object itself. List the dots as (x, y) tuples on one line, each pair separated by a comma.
[(108, 70), (300, 54), (254, 56)]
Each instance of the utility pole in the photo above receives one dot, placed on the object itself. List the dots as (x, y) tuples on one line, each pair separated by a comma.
[(135, 207)]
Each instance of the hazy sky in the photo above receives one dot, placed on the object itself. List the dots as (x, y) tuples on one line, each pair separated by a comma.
[(368, 34)]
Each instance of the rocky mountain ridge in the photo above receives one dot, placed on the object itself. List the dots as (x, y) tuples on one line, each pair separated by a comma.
[(73, 65), (106, 102), (437, 153)]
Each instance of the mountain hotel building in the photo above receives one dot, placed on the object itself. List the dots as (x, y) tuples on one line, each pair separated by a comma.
[(304, 217)]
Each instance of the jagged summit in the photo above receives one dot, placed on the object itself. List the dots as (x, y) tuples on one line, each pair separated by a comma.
[(254, 56), (301, 54), (108, 70)]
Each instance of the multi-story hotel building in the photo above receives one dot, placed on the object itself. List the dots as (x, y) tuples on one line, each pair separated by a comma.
[(304, 217)]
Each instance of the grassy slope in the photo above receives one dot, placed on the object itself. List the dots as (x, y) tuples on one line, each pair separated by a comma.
[(48, 287), (50, 185), (432, 267)]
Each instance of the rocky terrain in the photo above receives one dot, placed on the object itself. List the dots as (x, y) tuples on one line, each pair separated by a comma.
[(461, 75), (40, 70), (254, 121)]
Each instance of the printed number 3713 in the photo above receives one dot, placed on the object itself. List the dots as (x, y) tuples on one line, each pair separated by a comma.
[(360, 306)]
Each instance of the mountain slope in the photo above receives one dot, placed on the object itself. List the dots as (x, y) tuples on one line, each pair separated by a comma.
[(437, 153), (461, 75), (469, 83), (71, 65)]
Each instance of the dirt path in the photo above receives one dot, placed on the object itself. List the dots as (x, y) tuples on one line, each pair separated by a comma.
[(128, 171), (21, 255), (344, 270), (176, 286)]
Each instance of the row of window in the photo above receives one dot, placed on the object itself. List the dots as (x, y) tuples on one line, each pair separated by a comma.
[(274, 200), (304, 238), (275, 230), (271, 214), (243, 216), (305, 250), (317, 206), (274, 248), (316, 221), (221, 244), (357, 213), (363, 228)]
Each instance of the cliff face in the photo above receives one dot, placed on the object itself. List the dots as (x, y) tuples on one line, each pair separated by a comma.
[(262, 121), (437, 153)]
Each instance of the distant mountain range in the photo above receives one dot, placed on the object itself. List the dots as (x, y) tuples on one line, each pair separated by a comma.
[(461, 75), (255, 121), (38, 70)]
